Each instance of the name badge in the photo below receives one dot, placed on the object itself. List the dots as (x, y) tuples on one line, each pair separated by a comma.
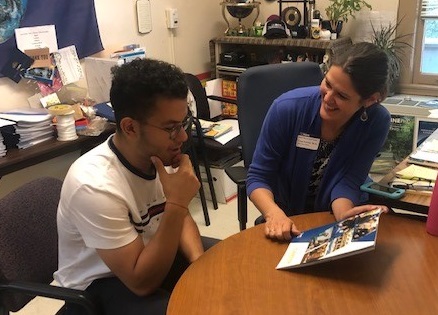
[(305, 141)]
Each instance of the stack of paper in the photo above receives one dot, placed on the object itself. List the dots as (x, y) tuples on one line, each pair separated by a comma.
[(416, 177), (29, 128), (418, 172), (427, 153), (2, 146), (4, 126)]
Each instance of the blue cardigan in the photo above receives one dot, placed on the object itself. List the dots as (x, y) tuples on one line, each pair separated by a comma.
[(284, 169)]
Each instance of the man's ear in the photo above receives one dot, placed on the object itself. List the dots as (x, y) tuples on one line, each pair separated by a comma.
[(375, 98), (129, 127)]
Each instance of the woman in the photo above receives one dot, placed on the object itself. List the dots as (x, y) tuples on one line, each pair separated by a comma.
[(317, 144)]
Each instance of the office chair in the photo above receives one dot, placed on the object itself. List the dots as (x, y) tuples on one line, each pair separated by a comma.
[(29, 248), (190, 148), (257, 88), (205, 146)]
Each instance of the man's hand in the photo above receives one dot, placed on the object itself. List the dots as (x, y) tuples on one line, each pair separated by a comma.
[(179, 187)]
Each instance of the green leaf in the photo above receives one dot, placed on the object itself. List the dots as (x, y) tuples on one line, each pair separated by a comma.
[(343, 9)]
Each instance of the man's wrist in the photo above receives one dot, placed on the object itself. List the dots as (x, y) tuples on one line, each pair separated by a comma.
[(178, 205)]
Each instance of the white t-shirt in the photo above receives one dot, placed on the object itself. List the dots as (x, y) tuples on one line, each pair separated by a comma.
[(105, 203)]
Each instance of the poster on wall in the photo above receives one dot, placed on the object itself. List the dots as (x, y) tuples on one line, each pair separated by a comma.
[(75, 23)]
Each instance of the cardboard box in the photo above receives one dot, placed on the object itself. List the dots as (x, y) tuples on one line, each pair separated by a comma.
[(224, 187)]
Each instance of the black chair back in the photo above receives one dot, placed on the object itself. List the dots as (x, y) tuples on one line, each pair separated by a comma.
[(200, 96), (258, 87)]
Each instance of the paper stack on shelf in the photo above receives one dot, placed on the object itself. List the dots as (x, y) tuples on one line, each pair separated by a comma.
[(4, 125), (29, 128), (2, 147)]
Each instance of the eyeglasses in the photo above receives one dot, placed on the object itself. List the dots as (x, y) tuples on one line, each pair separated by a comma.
[(175, 130), (420, 184)]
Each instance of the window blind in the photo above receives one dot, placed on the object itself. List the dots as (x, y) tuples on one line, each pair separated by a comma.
[(429, 9)]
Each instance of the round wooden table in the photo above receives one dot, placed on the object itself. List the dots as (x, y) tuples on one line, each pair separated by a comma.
[(238, 276)]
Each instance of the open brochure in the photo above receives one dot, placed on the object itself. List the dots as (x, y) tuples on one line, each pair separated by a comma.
[(332, 241)]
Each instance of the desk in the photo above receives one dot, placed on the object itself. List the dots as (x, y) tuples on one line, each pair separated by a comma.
[(413, 201), (238, 276), (17, 159)]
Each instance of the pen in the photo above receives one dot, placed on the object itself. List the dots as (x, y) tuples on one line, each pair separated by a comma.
[(412, 187)]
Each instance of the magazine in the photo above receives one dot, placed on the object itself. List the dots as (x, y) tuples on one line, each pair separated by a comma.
[(332, 241)]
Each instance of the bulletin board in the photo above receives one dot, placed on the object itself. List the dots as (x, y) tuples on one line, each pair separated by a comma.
[(75, 23)]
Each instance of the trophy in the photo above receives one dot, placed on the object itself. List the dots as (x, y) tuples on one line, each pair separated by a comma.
[(239, 9)]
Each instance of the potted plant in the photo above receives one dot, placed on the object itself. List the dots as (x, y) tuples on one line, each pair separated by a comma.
[(394, 45), (339, 11)]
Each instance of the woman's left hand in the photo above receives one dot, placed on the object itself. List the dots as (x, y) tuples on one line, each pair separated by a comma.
[(359, 209)]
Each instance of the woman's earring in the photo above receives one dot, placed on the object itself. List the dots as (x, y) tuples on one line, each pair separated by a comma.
[(364, 115)]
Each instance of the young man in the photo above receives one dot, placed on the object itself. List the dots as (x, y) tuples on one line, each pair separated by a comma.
[(123, 217)]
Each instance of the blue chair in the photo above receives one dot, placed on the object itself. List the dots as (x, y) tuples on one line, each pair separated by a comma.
[(257, 88)]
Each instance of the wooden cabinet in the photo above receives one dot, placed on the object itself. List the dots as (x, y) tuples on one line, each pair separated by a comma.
[(260, 50)]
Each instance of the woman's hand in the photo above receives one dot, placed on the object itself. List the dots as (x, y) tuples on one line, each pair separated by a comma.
[(280, 227), (359, 209)]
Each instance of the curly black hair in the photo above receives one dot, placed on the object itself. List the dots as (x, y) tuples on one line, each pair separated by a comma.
[(137, 85)]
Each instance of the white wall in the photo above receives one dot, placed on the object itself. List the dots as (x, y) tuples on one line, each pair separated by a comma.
[(199, 21)]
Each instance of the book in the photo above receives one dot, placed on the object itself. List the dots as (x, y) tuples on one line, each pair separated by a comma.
[(333, 241), (214, 130)]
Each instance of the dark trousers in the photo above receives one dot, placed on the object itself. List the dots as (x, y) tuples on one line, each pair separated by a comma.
[(115, 298)]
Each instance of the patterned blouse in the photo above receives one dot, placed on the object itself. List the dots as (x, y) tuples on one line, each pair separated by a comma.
[(322, 158)]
